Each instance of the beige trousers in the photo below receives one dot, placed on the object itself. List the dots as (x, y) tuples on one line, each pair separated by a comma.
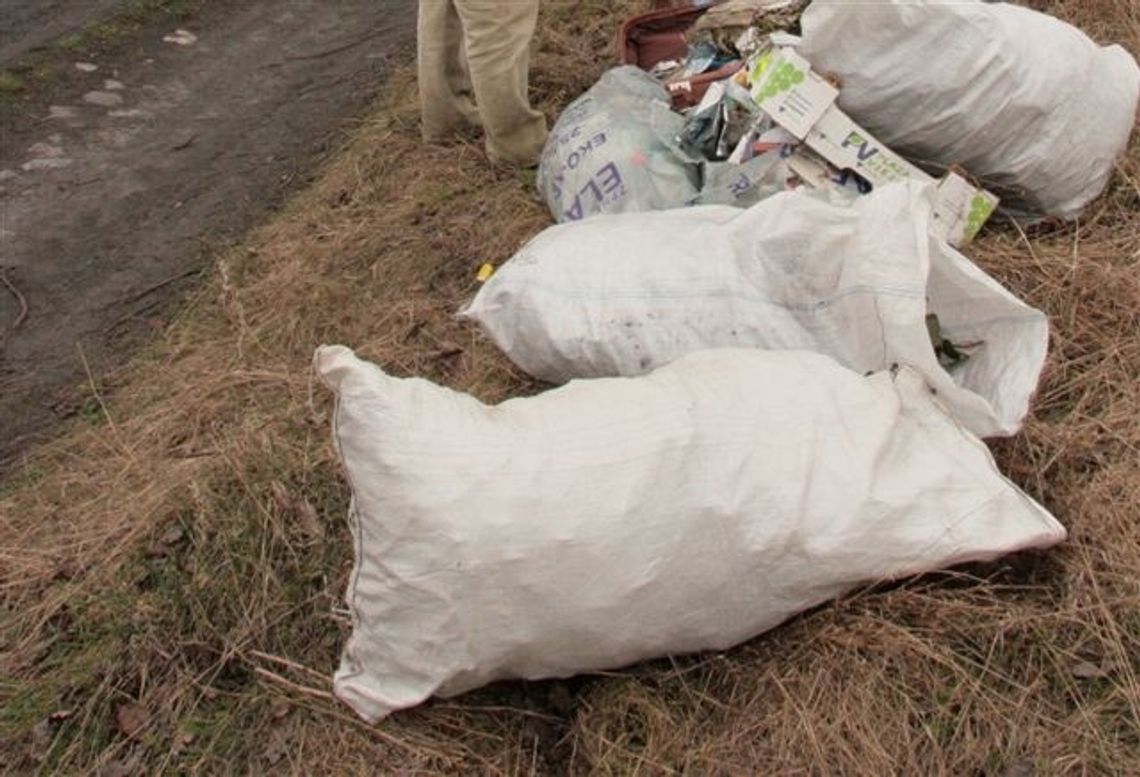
[(474, 58)]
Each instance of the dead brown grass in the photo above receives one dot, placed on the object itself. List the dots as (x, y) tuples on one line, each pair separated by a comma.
[(172, 572)]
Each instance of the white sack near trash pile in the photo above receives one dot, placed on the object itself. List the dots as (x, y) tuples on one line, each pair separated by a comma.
[(1023, 101), (769, 404), (615, 149), (626, 294), (616, 520)]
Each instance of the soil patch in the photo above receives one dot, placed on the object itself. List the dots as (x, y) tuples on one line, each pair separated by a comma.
[(118, 180)]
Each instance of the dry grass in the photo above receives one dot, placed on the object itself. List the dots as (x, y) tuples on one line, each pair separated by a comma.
[(180, 560)]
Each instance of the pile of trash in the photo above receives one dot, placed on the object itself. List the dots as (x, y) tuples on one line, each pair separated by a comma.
[(778, 362), (986, 100)]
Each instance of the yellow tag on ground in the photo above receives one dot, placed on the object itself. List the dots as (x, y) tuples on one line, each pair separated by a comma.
[(485, 272)]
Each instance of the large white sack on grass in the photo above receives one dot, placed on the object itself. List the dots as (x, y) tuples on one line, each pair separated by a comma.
[(622, 295), (615, 150), (1018, 98), (614, 520)]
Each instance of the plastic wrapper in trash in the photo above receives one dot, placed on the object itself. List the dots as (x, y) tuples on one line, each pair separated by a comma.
[(702, 55), (761, 138), (714, 128), (726, 22), (1028, 104), (614, 150), (665, 68), (612, 521), (620, 295), (750, 42), (839, 187), (744, 185)]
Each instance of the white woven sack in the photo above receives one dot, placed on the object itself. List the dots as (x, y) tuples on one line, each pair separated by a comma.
[(611, 521), (624, 294), (1020, 99)]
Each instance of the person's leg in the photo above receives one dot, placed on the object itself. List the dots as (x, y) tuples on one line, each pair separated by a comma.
[(444, 82), (498, 35)]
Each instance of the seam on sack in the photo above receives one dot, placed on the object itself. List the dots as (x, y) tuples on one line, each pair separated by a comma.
[(904, 293), (354, 528), (947, 419), (1048, 519), (1027, 318), (874, 292)]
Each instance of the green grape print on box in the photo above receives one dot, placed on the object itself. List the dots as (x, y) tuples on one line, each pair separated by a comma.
[(980, 211), (782, 78)]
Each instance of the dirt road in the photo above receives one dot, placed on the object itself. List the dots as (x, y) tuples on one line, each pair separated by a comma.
[(115, 182)]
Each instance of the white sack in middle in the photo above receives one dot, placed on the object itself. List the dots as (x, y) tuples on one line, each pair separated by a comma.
[(624, 294)]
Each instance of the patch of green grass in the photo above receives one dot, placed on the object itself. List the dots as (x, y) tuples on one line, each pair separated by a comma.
[(108, 33), (128, 21), (528, 177), (86, 645), (242, 566), (46, 64), (91, 411), (437, 193), (70, 42), (11, 83)]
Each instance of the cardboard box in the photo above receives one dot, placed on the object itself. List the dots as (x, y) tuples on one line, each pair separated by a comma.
[(961, 209), (804, 103)]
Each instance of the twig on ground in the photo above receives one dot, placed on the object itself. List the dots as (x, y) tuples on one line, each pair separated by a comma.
[(20, 298), (288, 663), (315, 692), (161, 284), (1028, 243), (338, 49), (95, 391)]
